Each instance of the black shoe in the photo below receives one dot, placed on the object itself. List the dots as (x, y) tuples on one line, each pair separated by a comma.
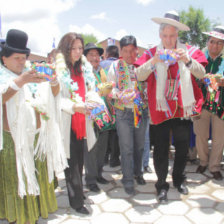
[(201, 169), (162, 196), (106, 161), (182, 189), (116, 163), (147, 169), (102, 180), (82, 210), (93, 187), (130, 190), (217, 175), (140, 180)]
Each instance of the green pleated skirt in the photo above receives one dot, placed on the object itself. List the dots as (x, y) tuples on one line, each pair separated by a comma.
[(28, 209)]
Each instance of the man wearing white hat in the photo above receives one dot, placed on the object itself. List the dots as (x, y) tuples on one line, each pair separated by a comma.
[(173, 95), (213, 111)]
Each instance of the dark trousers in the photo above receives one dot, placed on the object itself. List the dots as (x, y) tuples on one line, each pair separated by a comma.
[(94, 159), (181, 135), (113, 150), (73, 174)]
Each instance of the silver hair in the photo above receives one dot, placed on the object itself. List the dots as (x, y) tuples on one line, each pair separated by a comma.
[(164, 25)]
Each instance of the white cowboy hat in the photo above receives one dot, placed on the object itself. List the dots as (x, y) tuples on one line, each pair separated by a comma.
[(172, 18), (217, 32)]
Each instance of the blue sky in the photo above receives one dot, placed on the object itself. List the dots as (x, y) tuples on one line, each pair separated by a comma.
[(45, 19)]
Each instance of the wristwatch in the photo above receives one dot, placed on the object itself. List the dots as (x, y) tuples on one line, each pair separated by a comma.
[(152, 67), (188, 64)]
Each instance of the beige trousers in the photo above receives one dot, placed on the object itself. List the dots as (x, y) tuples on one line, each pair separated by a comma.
[(213, 158)]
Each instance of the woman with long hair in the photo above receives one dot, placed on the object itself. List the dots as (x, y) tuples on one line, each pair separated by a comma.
[(76, 126)]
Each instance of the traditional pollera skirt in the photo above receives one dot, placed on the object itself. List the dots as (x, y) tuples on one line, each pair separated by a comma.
[(28, 209)]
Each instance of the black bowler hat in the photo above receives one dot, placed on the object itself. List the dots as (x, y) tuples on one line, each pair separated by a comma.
[(16, 41), (91, 46)]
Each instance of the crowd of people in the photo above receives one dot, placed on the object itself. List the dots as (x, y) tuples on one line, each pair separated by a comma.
[(70, 123)]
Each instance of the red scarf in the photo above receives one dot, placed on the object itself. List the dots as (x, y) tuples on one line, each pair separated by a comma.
[(78, 119)]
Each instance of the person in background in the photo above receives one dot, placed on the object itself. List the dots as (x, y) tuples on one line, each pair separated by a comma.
[(94, 159), (51, 56), (212, 112), (112, 54), (173, 96), (131, 116), (113, 150)]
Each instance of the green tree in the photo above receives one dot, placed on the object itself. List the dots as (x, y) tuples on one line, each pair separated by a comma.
[(89, 38), (198, 23)]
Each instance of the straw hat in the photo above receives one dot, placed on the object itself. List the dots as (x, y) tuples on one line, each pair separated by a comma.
[(172, 18), (217, 32)]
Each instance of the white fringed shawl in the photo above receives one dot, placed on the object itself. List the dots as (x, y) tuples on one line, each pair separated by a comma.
[(188, 98), (22, 125), (50, 143), (64, 103)]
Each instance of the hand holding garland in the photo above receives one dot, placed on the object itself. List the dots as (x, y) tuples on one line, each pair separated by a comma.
[(169, 57), (82, 108), (220, 81), (126, 96), (105, 88), (27, 77), (156, 59), (48, 72), (55, 87), (213, 81), (183, 56), (20, 81)]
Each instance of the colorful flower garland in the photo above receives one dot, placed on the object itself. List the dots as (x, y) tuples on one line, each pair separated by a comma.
[(169, 57), (214, 93), (64, 74), (123, 76)]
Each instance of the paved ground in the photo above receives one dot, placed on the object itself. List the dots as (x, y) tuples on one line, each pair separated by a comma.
[(204, 204)]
